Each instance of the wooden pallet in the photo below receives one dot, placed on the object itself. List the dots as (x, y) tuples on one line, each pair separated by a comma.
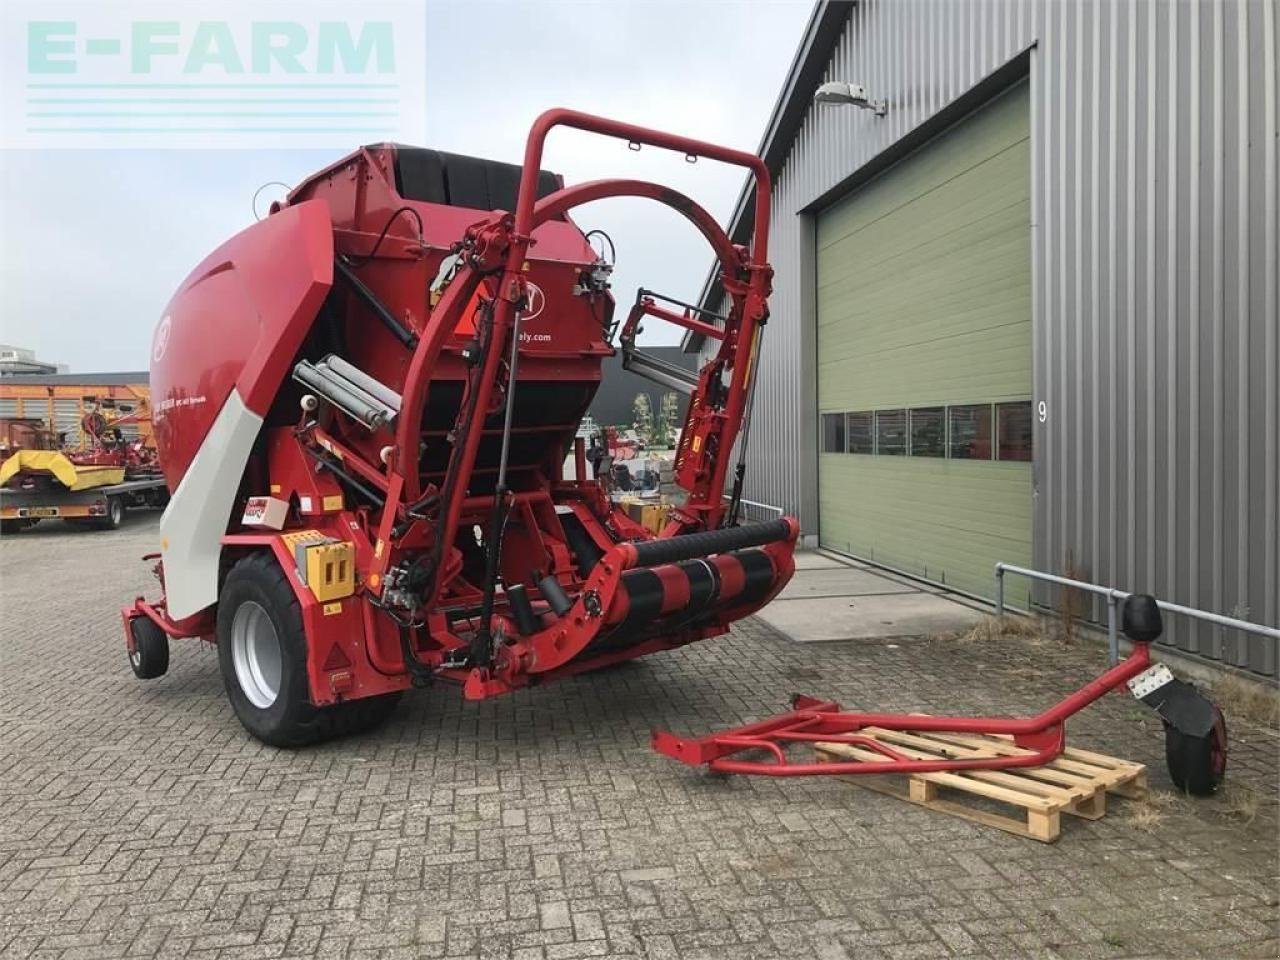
[(1076, 783)]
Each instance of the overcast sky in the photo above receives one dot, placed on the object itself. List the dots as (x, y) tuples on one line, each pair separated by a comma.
[(95, 242)]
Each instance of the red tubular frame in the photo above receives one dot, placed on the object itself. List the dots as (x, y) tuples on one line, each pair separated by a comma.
[(746, 273), (648, 307), (816, 721)]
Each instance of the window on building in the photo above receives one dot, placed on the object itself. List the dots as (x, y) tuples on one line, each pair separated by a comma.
[(860, 431), (969, 431), (928, 431), (833, 433), (891, 433), (1013, 430)]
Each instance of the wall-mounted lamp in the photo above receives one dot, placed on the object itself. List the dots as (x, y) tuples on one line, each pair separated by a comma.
[(837, 91)]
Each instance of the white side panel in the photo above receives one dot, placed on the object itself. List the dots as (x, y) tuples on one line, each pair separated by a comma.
[(193, 524)]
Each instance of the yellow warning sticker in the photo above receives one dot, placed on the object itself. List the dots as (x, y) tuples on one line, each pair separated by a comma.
[(275, 488), (331, 608), (377, 551), (697, 444), (333, 502)]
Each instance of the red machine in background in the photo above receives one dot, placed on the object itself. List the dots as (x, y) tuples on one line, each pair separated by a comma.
[(109, 446), (362, 406)]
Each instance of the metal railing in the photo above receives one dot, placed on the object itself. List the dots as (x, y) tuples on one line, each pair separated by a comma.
[(1114, 597), (754, 510)]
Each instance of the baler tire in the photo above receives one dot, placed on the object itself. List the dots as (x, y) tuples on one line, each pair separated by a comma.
[(150, 657), (291, 720), (361, 716)]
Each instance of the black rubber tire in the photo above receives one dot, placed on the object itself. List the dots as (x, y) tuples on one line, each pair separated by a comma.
[(150, 657), (292, 721), (1197, 765), (361, 716), (114, 518)]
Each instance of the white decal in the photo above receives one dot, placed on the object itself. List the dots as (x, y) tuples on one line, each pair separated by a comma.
[(162, 338), (537, 300), (173, 403)]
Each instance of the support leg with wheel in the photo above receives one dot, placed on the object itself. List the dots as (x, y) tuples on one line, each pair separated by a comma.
[(149, 649)]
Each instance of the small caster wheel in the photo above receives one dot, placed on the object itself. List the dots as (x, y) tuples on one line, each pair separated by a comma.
[(150, 654), (1197, 764)]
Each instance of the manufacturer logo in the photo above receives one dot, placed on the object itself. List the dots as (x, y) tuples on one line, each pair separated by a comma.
[(537, 300), (162, 338)]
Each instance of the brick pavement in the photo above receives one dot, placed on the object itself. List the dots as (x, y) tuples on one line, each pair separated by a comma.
[(139, 820)]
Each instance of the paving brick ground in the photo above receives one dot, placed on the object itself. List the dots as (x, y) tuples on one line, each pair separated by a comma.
[(138, 820)]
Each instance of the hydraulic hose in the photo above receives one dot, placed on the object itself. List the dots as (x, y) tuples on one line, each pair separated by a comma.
[(482, 641)]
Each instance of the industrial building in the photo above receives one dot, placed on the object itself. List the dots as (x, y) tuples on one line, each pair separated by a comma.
[(1025, 302), (19, 360)]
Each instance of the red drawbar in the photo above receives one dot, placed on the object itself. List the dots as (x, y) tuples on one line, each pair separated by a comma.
[(818, 721)]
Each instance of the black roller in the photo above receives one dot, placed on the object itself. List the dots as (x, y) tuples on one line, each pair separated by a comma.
[(555, 595), (522, 609), (645, 595), (704, 584), (758, 576), (584, 549), (650, 553)]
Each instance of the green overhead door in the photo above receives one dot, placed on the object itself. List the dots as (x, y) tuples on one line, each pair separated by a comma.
[(924, 356)]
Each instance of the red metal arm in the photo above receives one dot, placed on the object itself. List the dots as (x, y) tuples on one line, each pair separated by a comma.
[(816, 721), (648, 307), (635, 134)]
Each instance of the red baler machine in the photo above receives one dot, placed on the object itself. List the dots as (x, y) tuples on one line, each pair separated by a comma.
[(363, 406)]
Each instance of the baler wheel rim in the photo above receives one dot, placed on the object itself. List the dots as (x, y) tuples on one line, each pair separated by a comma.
[(256, 654)]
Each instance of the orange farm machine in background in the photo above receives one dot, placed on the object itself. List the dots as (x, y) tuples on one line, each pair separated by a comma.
[(89, 470)]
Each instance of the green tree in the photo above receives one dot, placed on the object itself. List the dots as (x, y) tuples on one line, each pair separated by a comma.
[(642, 418), (669, 419)]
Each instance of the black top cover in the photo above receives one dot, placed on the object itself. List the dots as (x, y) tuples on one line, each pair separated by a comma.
[(434, 176)]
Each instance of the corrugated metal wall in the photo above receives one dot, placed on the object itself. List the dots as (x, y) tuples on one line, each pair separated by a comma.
[(1155, 262)]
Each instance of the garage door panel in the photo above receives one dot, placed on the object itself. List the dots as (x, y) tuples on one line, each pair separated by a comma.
[(917, 328), (971, 142), (910, 345), (941, 294), (924, 299), (988, 248), (985, 367), (982, 194), (948, 531)]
